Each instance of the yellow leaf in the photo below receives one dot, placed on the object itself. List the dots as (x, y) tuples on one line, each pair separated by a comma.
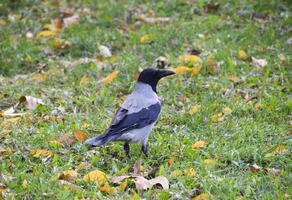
[(202, 196), (170, 162), (233, 79), (187, 70), (190, 172), (176, 173), (227, 111), (96, 176), (194, 109), (189, 59), (41, 153), (146, 38), (209, 162), (47, 34), (5, 152), (242, 55), (84, 80), (123, 185), (58, 43), (108, 189), (110, 77), (199, 144), (39, 77), (217, 117), (280, 149), (80, 136), (85, 125), (24, 183), (68, 175)]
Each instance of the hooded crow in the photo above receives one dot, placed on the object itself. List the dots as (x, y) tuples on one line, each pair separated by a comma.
[(135, 119)]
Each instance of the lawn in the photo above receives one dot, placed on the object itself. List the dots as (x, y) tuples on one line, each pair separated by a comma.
[(225, 127)]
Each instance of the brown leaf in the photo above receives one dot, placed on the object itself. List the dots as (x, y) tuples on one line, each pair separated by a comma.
[(68, 175), (233, 79), (79, 135), (65, 139), (137, 167), (142, 183), (255, 168), (71, 20)]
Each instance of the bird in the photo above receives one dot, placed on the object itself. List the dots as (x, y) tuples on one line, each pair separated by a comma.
[(134, 121)]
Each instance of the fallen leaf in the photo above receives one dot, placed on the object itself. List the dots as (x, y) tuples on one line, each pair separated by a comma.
[(31, 102), (124, 185), (24, 184), (79, 135), (96, 176), (212, 65), (227, 111), (199, 144), (68, 175), (242, 55), (217, 117), (202, 196), (233, 79), (84, 81), (47, 34), (280, 149), (104, 51), (274, 171), (146, 38), (108, 189), (187, 70), (142, 183), (2, 191), (39, 77), (5, 151), (282, 57), (157, 20), (137, 167), (170, 162), (71, 20), (255, 168), (209, 162), (259, 62), (189, 60), (65, 139), (38, 153), (194, 109), (189, 172), (110, 77)]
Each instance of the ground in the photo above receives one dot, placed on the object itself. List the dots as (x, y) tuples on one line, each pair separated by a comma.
[(224, 128)]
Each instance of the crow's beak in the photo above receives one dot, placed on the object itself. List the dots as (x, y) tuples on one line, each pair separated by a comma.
[(164, 73)]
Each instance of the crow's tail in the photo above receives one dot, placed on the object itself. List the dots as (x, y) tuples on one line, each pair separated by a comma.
[(100, 140)]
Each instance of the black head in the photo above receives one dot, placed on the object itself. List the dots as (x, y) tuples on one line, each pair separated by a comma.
[(151, 76)]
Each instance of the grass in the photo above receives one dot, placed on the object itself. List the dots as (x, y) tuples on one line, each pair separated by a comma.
[(251, 134)]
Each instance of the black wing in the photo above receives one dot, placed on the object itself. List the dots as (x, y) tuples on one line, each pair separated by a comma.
[(124, 122)]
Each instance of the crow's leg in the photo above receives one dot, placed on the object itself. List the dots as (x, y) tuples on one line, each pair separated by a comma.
[(145, 148), (127, 149)]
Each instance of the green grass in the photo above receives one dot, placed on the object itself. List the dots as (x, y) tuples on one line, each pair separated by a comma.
[(245, 137)]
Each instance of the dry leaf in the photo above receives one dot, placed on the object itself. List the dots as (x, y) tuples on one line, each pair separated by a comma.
[(68, 175), (137, 167), (104, 51), (233, 79), (189, 60), (24, 183), (38, 153), (47, 34), (80, 136), (202, 196), (157, 20), (217, 117), (194, 109), (142, 183), (84, 81), (242, 55), (124, 185), (65, 139), (280, 149), (108, 189), (282, 57), (212, 65), (199, 144), (259, 62), (189, 172), (255, 168), (146, 38), (39, 77), (5, 152), (31, 102), (96, 176), (170, 162), (227, 111), (209, 162), (187, 70), (71, 20), (110, 77)]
